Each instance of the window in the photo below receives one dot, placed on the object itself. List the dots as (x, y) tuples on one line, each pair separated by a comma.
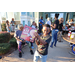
[(31, 14), (27, 13), (61, 15), (52, 16), (3, 15), (28, 23), (23, 23), (23, 13), (16, 15)]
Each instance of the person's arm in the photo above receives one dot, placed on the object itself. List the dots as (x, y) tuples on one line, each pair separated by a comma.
[(53, 26), (36, 41), (40, 22), (18, 39), (15, 35), (41, 41), (15, 23)]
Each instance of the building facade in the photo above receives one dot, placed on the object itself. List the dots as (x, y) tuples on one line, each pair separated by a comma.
[(66, 15), (26, 18), (9, 15)]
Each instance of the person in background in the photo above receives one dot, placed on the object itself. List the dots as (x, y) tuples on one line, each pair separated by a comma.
[(8, 26), (61, 20), (55, 31), (33, 26), (13, 24), (71, 23), (48, 21), (67, 26), (20, 41), (41, 23)]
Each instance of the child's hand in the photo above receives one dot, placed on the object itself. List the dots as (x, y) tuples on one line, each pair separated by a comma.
[(35, 34)]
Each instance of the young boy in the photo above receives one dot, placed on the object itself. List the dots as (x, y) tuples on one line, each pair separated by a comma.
[(42, 44)]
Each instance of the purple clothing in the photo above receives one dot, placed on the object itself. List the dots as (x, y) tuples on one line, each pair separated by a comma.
[(18, 33)]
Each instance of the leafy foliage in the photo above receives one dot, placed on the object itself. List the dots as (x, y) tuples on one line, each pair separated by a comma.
[(4, 48)]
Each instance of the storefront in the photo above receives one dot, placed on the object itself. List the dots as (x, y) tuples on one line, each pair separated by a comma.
[(66, 15)]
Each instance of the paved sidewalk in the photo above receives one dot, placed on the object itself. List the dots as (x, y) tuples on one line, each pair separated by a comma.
[(55, 54)]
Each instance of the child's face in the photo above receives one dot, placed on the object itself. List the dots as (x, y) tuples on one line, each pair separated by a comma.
[(48, 30), (45, 30)]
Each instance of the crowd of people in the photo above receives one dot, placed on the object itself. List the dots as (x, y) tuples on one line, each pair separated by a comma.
[(42, 37), (47, 32)]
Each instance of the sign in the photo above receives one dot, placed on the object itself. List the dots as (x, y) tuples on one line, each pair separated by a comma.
[(28, 33)]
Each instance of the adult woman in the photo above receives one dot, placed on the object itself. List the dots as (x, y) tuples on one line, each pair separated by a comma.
[(19, 40), (54, 31), (7, 26), (34, 25)]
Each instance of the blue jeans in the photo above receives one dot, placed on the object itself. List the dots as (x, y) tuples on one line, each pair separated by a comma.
[(37, 56), (54, 37)]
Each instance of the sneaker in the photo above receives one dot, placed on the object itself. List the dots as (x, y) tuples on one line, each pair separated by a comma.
[(20, 54), (31, 52), (51, 46), (54, 45)]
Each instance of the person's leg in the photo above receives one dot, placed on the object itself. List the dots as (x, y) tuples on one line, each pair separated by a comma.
[(19, 48), (43, 58), (29, 44), (32, 45), (52, 38), (36, 56), (13, 28), (55, 37)]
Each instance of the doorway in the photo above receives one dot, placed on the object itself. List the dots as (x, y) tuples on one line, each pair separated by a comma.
[(46, 16), (67, 16)]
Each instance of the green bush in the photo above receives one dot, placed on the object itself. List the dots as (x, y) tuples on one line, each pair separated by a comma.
[(4, 48), (13, 42), (3, 26), (4, 37)]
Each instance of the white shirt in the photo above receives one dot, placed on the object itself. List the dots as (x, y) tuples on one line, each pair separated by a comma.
[(48, 22), (33, 26)]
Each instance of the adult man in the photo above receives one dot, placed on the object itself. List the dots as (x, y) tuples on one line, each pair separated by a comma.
[(41, 22), (13, 24)]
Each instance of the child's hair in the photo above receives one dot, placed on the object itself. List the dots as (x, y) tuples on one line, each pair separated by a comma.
[(46, 25)]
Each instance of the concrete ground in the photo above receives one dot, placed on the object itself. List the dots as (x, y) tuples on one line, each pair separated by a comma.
[(55, 54)]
